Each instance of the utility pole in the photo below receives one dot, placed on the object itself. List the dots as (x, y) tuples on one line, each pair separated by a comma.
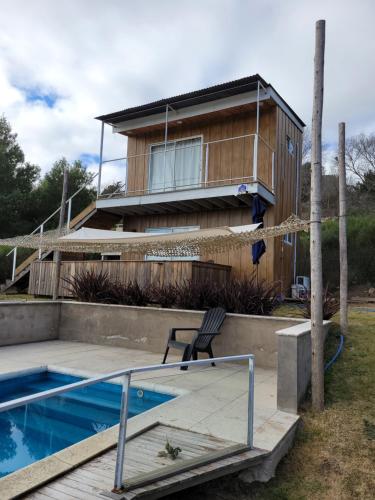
[(317, 333), (57, 253), (342, 233)]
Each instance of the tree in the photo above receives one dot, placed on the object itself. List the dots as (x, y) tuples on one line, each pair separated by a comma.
[(306, 148), (25, 200), (305, 187), (115, 187), (330, 195), (17, 181), (367, 184), (360, 157), (11, 156), (48, 193)]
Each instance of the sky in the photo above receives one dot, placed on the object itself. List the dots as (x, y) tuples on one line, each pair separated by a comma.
[(63, 63)]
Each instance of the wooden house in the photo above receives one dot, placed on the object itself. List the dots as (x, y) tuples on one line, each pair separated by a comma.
[(197, 160)]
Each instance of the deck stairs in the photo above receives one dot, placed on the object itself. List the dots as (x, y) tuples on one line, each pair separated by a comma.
[(89, 213)]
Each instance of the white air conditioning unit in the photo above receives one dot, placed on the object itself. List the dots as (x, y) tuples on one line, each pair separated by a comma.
[(301, 288), (303, 281), (298, 292)]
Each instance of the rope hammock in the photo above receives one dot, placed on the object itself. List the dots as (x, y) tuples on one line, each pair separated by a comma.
[(190, 243)]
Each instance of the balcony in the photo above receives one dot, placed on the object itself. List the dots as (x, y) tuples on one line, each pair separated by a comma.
[(191, 175)]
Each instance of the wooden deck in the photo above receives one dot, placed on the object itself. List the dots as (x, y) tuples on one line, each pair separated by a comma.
[(147, 475), (143, 271)]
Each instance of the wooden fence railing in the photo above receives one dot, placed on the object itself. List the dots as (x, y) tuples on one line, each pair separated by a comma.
[(144, 272)]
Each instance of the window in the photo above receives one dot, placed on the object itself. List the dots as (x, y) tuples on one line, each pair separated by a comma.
[(181, 229), (111, 256), (288, 239), (176, 165), (290, 145)]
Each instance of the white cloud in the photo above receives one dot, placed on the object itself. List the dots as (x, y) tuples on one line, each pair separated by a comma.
[(101, 56)]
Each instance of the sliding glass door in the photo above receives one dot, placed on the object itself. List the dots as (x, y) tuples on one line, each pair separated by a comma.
[(176, 165)]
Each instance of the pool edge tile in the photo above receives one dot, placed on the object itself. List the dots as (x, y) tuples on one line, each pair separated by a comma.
[(32, 476)]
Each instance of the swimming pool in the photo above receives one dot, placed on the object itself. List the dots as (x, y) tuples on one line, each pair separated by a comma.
[(35, 431)]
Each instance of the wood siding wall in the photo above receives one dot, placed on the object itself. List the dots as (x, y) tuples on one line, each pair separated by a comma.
[(286, 167), (240, 260), (144, 272), (226, 160)]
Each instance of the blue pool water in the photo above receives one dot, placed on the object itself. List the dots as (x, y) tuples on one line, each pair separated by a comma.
[(35, 431)]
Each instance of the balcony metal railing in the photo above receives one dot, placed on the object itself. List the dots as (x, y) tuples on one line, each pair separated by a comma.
[(126, 377), (241, 157)]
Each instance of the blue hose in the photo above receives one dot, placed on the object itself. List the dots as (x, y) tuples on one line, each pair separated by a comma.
[(337, 354)]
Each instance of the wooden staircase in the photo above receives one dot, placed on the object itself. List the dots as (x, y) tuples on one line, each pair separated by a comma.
[(96, 220)]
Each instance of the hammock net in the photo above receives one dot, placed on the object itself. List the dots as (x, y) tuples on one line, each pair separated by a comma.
[(190, 243)]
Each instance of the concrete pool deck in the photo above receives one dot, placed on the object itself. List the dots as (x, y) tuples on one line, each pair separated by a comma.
[(212, 401)]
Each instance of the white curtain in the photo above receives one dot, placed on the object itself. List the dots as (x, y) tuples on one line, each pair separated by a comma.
[(175, 167), (187, 163), (161, 167)]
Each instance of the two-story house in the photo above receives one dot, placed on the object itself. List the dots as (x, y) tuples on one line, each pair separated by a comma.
[(197, 160)]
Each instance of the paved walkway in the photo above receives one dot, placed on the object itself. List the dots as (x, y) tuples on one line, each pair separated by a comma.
[(215, 399)]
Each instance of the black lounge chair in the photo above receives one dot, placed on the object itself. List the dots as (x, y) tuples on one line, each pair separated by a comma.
[(211, 324)]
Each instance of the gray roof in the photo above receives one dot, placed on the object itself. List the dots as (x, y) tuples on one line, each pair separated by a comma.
[(220, 91)]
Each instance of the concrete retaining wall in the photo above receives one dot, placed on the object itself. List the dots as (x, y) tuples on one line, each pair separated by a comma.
[(280, 343), (294, 365), (22, 322), (147, 328)]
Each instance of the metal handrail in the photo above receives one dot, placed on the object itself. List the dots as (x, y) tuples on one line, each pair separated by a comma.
[(126, 374), (41, 226), (203, 146), (248, 178)]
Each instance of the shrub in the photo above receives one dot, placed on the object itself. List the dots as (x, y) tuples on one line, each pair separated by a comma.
[(246, 296), (330, 305), (198, 295), (164, 295), (129, 294), (361, 240), (90, 286), (249, 296)]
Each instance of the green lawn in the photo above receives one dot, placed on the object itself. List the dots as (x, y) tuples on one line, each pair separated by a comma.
[(334, 453)]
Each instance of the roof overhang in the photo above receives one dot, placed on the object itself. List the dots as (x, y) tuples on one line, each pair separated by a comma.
[(203, 101), (190, 112)]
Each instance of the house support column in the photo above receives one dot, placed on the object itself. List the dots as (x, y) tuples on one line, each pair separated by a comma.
[(256, 139), (165, 143), (100, 159)]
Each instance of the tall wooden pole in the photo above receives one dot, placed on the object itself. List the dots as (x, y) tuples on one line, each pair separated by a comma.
[(57, 254), (342, 233), (317, 333)]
